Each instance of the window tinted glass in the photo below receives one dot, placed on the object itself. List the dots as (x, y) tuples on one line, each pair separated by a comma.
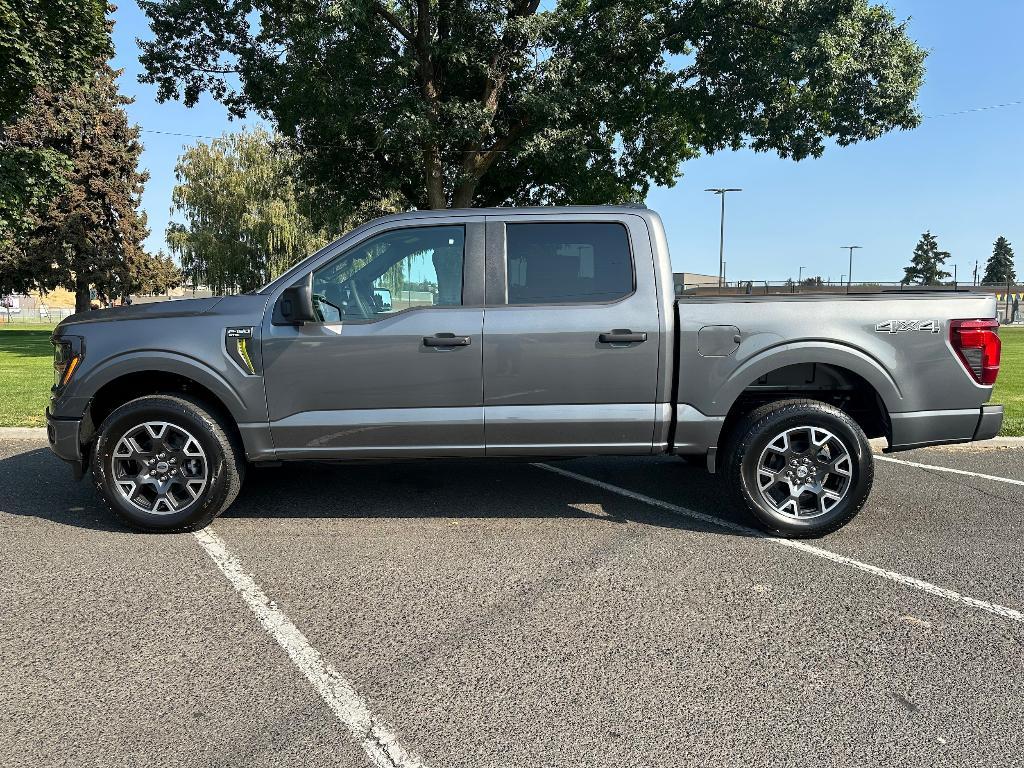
[(567, 263), (401, 269)]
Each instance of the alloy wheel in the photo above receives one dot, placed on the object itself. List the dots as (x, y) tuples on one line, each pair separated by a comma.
[(804, 472), (159, 468)]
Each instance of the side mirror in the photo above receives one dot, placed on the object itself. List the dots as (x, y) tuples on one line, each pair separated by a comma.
[(296, 303)]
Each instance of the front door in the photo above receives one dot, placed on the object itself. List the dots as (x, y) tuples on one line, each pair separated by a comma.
[(394, 366), (572, 336)]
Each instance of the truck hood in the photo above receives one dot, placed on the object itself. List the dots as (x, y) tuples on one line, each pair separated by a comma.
[(150, 310)]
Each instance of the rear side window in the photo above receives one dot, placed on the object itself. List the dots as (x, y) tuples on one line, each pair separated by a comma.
[(567, 263)]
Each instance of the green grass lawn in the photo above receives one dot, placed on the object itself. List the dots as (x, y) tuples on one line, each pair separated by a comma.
[(1010, 385), (26, 373)]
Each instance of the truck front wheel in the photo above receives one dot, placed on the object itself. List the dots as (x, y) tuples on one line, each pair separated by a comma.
[(802, 467), (166, 463)]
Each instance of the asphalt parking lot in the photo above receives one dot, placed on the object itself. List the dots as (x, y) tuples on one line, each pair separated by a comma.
[(495, 614)]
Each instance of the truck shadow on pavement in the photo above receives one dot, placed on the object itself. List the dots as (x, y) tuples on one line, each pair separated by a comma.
[(36, 484)]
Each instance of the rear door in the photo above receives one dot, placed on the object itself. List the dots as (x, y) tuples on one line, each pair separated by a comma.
[(394, 368), (571, 335)]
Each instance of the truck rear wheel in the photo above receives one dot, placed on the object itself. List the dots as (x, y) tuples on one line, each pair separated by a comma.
[(166, 463), (802, 467)]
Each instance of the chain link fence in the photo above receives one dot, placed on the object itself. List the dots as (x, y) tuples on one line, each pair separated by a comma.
[(34, 314)]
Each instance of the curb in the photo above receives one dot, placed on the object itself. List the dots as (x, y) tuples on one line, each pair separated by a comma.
[(878, 444), (22, 433)]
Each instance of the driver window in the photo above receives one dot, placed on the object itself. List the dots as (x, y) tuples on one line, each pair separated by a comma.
[(398, 270)]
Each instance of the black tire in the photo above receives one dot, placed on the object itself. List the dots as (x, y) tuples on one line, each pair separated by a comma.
[(223, 464), (750, 438)]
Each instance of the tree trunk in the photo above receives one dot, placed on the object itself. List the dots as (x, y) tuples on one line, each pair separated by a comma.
[(448, 268), (82, 299), (464, 194), (435, 181)]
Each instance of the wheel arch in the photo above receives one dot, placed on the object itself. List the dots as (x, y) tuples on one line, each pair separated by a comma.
[(133, 376), (845, 377)]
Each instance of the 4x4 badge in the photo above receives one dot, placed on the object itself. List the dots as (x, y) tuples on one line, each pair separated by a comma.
[(899, 326)]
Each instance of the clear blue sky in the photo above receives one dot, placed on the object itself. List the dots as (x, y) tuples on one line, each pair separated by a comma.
[(959, 176)]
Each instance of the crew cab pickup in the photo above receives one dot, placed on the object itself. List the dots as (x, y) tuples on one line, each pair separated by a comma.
[(535, 332)]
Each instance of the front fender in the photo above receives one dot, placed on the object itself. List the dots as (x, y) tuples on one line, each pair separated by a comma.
[(153, 361)]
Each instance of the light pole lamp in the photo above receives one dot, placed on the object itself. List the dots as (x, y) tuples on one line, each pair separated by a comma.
[(849, 272), (721, 192)]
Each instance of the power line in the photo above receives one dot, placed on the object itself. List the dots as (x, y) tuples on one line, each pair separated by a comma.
[(968, 111), (183, 135), (976, 109)]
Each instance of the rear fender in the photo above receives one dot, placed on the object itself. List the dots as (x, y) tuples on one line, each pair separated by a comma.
[(829, 353)]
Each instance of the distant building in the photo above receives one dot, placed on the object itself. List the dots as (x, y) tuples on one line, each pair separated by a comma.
[(687, 280)]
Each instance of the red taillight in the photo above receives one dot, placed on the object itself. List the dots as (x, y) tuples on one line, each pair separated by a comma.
[(977, 345)]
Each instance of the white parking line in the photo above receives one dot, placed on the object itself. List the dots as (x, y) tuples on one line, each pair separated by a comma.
[(380, 745), (899, 578), (937, 468)]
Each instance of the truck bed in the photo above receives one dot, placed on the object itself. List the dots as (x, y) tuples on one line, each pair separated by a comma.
[(887, 349)]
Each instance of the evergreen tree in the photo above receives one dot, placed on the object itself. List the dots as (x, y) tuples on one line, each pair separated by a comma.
[(999, 267), (44, 45), (90, 234), (926, 265)]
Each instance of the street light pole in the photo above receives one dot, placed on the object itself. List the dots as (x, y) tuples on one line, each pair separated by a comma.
[(721, 191), (849, 274)]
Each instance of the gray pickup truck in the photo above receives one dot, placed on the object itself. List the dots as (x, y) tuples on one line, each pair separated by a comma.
[(547, 332)]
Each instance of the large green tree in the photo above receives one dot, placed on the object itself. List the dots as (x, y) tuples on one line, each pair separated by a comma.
[(999, 267), (455, 103), (926, 263), (90, 235), (245, 216), (45, 45)]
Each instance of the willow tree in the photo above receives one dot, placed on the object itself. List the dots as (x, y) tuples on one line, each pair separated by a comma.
[(458, 102), (245, 218)]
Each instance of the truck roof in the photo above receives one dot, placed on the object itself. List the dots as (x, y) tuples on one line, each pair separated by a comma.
[(505, 211)]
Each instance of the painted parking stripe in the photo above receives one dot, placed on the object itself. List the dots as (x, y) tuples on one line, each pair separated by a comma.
[(874, 570), (378, 742), (952, 471)]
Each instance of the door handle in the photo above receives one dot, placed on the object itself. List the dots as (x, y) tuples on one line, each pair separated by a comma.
[(446, 340), (624, 336)]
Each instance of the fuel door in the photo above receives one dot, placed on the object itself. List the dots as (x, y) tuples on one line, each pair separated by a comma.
[(718, 340)]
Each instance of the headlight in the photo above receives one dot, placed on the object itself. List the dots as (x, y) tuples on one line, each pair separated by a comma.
[(67, 356)]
